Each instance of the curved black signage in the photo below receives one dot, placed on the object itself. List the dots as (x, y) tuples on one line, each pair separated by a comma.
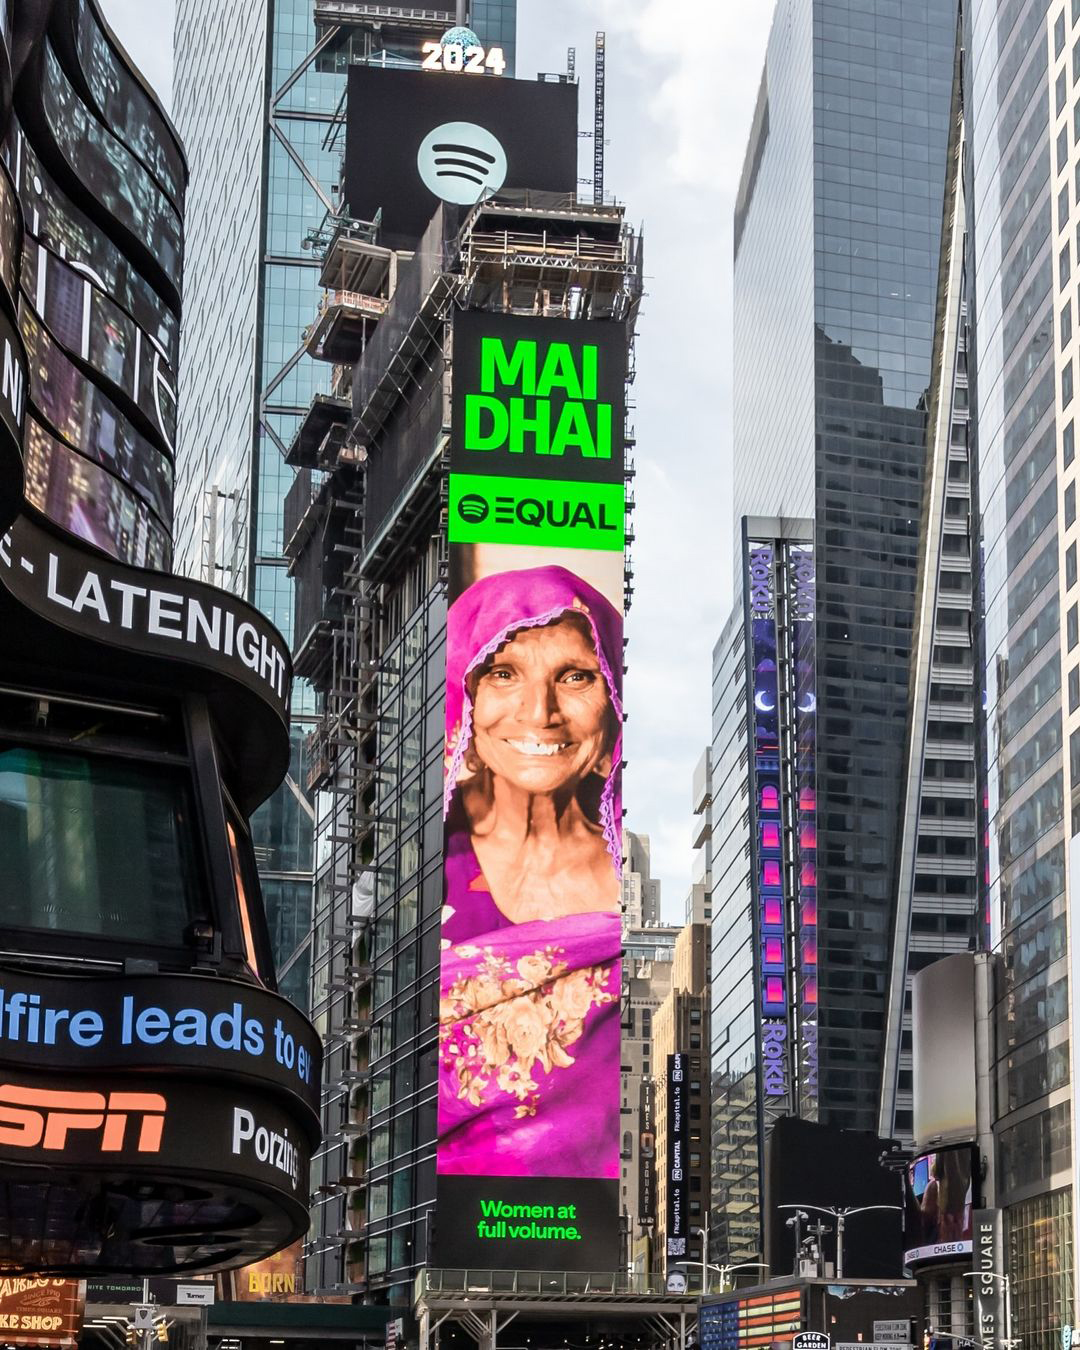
[(189, 1024), (151, 613), (131, 1172)]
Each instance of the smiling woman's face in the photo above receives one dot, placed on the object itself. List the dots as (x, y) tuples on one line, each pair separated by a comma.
[(541, 710)]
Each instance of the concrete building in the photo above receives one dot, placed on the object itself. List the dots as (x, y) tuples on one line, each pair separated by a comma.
[(641, 890), (647, 980), (681, 1027)]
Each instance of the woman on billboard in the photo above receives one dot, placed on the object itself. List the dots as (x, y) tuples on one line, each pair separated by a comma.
[(529, 1013)]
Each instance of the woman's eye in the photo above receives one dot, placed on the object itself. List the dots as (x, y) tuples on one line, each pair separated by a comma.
[(579, 677)]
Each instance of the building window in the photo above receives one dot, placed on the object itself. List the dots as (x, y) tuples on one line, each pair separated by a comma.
[(1063, 204), (1068, 445), (1059, 35), (72, 824), (1070, 567), (1067, 385), (1065, 266), (1070, 505), (1061, 93), (1074, 688), (1062, 148), (1066, 323)]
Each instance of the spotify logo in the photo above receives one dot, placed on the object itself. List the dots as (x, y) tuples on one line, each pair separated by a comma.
[(473, 509), (461, 162)]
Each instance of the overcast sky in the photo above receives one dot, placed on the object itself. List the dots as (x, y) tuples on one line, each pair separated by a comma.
[(682, 79)]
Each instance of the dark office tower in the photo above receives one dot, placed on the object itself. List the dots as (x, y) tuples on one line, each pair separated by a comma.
[(160, 1100), (466, 482), (260, 207), (845, 382), (1023, 84)]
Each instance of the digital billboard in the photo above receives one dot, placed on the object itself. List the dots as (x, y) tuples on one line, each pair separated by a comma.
[(529, 1088), (771, 909), (802, 608), (782, 715), (939, 1204), (678, 1144), (647, 1153), (417, 138)]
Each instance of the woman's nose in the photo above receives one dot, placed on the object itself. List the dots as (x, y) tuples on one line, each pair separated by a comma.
[(538, 702)]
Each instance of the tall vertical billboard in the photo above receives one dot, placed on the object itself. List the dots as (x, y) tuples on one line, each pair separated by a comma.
[(782, 715), (678, 1144), (528, 1151)]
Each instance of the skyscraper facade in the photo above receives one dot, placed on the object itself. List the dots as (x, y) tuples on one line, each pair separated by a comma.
[(1022, 82), (259, 93), (838, 259)]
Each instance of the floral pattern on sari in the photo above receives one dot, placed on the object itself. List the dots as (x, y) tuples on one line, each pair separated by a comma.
[(507, 1021)]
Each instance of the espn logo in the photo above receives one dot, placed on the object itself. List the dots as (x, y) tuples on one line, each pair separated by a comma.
[(41, 1118)]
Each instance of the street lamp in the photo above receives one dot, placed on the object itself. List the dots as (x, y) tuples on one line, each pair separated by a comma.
[(1006, 1284), (839, 1215), (706, 1264), (725, 1271), (704, 1232)]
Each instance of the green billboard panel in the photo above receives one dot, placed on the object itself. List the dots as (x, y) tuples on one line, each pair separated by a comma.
[(537, 512)]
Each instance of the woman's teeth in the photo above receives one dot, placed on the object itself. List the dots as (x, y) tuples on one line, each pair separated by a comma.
[(539, 747)]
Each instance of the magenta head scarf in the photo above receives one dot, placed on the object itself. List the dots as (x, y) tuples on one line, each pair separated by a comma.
[(487, 615)]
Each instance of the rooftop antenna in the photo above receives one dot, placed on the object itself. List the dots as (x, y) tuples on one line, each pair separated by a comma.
[(462, 13), (598, 121), (571, 63)]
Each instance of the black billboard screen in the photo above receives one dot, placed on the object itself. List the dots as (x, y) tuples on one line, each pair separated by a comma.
[(678, 1142), (415, 138), (808, 1164)]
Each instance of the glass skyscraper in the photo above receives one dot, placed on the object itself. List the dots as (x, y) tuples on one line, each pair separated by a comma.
[(838, 252), (259, 102)]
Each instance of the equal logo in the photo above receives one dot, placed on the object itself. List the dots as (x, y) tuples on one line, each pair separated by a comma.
[(536, 511)]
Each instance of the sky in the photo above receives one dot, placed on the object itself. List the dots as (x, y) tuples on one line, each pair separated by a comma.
[(682, 79)]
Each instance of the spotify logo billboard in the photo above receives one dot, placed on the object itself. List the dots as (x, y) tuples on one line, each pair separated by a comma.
[(460, 162), (418, 138), (528, 1155)]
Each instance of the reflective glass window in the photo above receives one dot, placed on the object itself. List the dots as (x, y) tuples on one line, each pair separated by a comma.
[(95, 845)]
